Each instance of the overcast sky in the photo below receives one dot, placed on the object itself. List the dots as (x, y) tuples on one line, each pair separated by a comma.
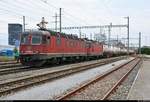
[(79, 13)]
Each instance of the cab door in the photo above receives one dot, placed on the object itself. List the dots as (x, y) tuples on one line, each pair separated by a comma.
[(46, 39)]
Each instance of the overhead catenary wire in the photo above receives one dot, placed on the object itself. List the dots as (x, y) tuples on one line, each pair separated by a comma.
[(16, 13), (19, 13), (34, 5), (46, 2), (8, 14), (76, 18), (71, 20), (27, 9), (65, 11)]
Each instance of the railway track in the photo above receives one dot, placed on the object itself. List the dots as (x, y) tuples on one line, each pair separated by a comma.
[(9, 62), (16, 68), (9, 65), (13, 70), (105, 83), (27, 81)]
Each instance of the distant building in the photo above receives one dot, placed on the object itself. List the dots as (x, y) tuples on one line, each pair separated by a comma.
[(14, 31)]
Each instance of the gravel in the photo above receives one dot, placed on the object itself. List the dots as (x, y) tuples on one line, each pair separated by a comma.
[(122, 92), (99, 89)]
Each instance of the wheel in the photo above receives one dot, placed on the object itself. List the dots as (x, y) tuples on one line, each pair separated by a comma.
[(36, 63)]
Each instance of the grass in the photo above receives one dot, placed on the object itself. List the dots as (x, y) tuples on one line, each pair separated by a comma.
[(6, 58)]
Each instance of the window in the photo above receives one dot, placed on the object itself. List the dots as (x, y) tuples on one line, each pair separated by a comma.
[(44, 39), (66, 42), (88, 45), (48, 39), (83, 45), (71, 43), (36, 39), (24, 39), (58, 39)]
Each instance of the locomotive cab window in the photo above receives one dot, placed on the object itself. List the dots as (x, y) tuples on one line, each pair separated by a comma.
[(24, 39), (36, 39)]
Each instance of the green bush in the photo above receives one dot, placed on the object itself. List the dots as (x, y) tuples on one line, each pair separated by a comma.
[(145, 51)]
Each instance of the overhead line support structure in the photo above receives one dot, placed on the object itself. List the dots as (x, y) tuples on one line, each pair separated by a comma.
[(60, 28), (128, 32), (91, 27), (139, 42), (56, 21), (109, 34), (24, 24)]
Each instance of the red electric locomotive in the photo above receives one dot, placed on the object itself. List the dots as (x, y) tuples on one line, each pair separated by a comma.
[(39, 47)]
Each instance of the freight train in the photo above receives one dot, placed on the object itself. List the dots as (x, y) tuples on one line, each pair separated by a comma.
[(46, 46)]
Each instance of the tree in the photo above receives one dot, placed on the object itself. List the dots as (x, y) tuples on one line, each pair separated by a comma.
[(145, 50)]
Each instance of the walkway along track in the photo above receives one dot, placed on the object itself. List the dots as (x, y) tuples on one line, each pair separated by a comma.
[(70, 95), (24, 82)]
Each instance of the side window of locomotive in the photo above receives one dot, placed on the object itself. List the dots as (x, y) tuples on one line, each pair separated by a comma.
[(36, 39), (48, 39), (88, 45), (82, 44), (58, 39), (45, 39), (93, 48), (67, 40), (75, 43)]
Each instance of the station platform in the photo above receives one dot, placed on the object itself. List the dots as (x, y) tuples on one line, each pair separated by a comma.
[(140, 89)]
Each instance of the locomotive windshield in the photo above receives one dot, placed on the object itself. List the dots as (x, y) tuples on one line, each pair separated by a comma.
[(36, 39), (24, 39), (29, 38)]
